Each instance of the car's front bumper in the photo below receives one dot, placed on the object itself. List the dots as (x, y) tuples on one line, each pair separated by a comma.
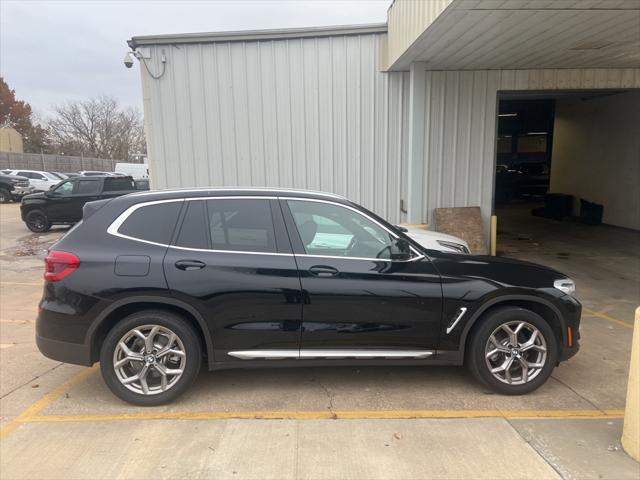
[(19, 192), (572, 311)]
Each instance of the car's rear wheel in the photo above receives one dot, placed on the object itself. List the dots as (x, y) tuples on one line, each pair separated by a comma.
[(150, 357), (37, 221), (513, 351)]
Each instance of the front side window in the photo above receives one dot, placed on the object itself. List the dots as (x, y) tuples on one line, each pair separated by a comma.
[(65, 188), (328, 229), (242, 224), (153, 223)]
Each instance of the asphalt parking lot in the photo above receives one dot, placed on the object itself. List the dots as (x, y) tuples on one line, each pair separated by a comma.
[(60, 421)]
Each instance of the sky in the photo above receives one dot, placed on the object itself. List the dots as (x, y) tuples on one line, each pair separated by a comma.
[(54, 51)]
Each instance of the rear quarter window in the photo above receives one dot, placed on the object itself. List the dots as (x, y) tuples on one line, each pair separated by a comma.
[(152, 223), (119, 184), (88, 187)]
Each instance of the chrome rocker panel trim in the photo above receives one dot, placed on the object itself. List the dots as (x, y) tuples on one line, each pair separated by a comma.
[(312, 354)]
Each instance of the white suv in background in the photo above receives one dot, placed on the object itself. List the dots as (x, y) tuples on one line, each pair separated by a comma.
[(40, 180), (436, 240)]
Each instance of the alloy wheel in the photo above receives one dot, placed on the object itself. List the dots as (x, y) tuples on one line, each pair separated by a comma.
[(516, 352), (149, 359), (37, 222)]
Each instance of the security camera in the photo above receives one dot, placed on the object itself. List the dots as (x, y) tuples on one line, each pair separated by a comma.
[(128, 59)]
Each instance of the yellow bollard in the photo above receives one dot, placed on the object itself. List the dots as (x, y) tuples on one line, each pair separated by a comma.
[(631, 429)]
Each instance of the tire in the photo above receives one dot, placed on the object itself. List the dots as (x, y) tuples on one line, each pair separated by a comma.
[(513, 380), (5, 195), (37, 221), (163, 323)]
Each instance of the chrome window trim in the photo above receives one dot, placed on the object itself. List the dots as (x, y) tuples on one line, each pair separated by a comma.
[(176, 247), (329, 353), (117, 223)]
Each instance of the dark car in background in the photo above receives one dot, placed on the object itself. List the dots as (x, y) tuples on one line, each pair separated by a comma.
[(526, 180), (14, 187), (153, 283), (63, 204)]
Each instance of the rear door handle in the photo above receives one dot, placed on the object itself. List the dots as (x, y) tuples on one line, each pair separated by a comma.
[(323, 271), (190, 265)]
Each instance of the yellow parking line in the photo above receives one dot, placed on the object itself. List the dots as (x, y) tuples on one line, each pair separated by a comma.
[(45, 401), (604, 316), (325, 415)]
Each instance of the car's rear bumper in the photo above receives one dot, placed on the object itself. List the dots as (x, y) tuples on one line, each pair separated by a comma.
[(61, 335), (67, 352)]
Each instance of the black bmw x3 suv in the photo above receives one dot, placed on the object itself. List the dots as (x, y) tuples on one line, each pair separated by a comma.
[(151, 284)]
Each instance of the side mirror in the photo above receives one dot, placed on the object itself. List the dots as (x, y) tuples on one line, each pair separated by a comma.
[(400, 250)]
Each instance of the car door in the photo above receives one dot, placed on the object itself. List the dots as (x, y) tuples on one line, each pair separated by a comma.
[(232, 260), (361, 299), (86, 190), (59, 202)]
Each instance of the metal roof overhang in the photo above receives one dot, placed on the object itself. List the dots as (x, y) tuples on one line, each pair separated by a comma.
[(252, 35), (529, 34)]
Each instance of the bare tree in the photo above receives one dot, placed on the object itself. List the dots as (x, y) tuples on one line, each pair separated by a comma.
[(99, 127)]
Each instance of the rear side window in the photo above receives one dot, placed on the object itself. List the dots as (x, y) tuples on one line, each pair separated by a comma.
[(118, 184), (241, 225), (153, 223), (88, 187), (193, 232)]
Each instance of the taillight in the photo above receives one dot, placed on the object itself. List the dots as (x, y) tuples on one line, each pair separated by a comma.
[(59, 265)]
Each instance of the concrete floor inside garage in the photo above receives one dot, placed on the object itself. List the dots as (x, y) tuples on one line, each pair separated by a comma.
[(60, 421)]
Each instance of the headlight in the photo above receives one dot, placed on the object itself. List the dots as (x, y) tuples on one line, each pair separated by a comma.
[(565, 285), (16, 180), (458, 247)]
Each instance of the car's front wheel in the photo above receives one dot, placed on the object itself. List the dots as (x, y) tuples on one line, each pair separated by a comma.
[(5, 195), (150, 357), (513, 351), (37, 221)]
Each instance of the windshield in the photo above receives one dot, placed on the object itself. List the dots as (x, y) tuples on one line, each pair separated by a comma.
[(52, 176)]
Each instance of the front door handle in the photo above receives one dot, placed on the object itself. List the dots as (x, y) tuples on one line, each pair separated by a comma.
[(323, 271), (190, 265)]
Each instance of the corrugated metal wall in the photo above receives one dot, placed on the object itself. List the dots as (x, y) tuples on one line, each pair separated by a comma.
[(305, 113), (460, 126), (407, 20)]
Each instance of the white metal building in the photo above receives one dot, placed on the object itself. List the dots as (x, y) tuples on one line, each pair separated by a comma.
[(400, 117)]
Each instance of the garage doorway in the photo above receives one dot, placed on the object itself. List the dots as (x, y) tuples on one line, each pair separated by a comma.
[(567, 187), (569, 157)]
